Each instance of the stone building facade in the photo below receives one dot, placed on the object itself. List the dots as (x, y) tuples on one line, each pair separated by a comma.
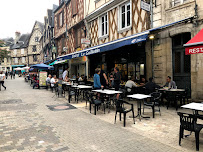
[(168, 52), (35, 44), (19, 50)]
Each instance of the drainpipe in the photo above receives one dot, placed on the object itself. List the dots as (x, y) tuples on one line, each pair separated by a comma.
[(152, 42)]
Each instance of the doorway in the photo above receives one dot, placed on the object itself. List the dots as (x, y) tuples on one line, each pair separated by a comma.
[(181, 62)]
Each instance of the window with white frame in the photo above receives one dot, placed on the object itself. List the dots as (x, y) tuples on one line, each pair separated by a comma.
[(103, 25), (23, 59), (15, 52), (22, 51), (125, 15), (16, 60), (177, 2)]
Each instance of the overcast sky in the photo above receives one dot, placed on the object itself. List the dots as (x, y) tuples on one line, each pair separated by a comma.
[(20, 15)]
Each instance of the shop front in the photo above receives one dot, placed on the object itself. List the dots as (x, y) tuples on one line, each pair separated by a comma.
[(128, 54), (130, 60), (78, 66)]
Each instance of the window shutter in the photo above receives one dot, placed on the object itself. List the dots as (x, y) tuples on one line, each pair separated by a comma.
[(62, 17), (74, 7), (58, 20)]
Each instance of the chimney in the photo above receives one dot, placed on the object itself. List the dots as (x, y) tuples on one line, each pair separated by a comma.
[(17, 36)]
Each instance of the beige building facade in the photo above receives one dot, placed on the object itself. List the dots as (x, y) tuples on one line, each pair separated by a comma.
[(168, 56), (35, 44)]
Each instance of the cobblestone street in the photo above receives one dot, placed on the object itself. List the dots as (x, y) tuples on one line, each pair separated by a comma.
[(28, 125)]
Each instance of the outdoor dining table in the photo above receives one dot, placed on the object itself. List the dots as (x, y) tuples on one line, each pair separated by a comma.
[(195, 107), (109, 93), (165, 90), (139, 98)]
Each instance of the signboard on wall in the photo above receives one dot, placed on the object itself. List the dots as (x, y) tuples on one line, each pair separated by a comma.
[(85, 41), (145, 6), (42, 78), (194, 50)]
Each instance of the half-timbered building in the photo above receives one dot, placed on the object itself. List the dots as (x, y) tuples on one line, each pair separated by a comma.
[(69, 29)]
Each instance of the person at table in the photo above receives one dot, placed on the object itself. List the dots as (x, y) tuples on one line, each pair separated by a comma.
[(73, 76), (143, 81), (150, 86), (53, 81), (36, 82), (169, 83), (2, 77), (65, 73), (103, 77), (130, 84), (117, 80), (81, 78), (48, 79)]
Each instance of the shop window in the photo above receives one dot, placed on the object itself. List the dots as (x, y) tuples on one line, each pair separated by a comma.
[(103, 25), (125, 16)]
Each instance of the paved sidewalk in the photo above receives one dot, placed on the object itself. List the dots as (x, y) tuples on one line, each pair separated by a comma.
[(28, 125)]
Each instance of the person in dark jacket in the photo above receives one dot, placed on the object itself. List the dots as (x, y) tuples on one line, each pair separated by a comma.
[(150, 86), (117, 80), (103, 77)]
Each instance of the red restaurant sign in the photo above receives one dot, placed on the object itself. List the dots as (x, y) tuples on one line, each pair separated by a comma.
[(194, 49)]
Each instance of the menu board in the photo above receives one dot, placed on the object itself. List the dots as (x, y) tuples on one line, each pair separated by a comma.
[(42, 78)]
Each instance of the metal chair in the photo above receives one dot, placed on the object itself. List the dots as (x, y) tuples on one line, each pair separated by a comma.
[(189, 122), (154, 101), (121, 109)]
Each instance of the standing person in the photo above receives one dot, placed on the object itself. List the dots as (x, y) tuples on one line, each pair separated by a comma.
[(11, 74), (103, 77), (2, 77), (14, 74), (6, 74), (170, 84), (117, 80), (97, 83), (65, 73)]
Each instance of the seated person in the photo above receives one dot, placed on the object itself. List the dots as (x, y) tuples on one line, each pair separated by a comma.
[(150, 86), (73, 76), (48, 80), (81, 78), (36, 83), (143, 81), (53, 81), (170, 84), (130, 84)]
